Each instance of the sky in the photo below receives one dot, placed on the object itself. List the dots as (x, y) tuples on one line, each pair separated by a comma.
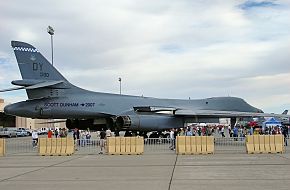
[(177, 49)]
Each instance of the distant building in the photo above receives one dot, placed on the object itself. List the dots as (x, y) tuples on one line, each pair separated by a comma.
[(1, 105), (5, 120)]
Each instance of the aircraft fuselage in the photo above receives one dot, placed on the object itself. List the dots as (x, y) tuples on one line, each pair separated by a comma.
[(89, 104)]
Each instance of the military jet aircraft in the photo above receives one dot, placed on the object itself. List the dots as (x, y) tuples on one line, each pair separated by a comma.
[(50, 95)]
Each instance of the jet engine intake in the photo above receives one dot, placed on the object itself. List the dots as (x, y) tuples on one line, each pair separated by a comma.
[(123, 122), (82, 124), (148, 122)]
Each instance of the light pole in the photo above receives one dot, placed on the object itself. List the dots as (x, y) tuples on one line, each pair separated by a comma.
[(50, 30), (120, 80)]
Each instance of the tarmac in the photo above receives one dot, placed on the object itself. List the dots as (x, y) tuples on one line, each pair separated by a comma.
[(148, 171)]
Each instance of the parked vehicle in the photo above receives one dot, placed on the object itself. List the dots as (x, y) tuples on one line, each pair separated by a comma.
[(42, 131), (21, 133), (24, 131), (29, 131), (8, 132)]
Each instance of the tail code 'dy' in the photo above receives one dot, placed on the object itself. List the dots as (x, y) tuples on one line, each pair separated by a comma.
[(40, 78), (32, 64)]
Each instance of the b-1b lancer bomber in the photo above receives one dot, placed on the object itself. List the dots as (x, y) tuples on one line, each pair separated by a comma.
[(50, 95)]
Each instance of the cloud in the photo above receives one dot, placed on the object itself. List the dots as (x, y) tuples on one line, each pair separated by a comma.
[(179, 49), (250, 4)]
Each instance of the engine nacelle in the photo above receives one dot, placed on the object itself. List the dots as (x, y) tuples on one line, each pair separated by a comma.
[(82, 124), (92, 124), (148, 122)]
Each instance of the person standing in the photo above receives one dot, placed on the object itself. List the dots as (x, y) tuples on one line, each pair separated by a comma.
[(199, 131), (56, 133), (108, 133), (88, 137), (251, 132), (76, 136), (188, 132), (34, 136), (171, 135), (83, 138), (235, 133), (223, 131), (49, 134), (102, 141), (285, 134)]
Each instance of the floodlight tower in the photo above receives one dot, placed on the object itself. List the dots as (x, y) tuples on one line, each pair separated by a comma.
[(120, 80), (50, 31)]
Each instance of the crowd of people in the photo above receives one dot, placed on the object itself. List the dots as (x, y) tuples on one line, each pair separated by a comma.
[(223, 131), (57, 133), (83, 137), (236, 131)]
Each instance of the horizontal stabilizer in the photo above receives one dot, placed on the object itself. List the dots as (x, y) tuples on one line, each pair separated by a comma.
[(11, 89), (43, 84), (31, 86)]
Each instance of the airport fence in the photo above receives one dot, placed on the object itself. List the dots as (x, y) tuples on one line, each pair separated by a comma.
[(229, 145), (20, 146), (24, 146)]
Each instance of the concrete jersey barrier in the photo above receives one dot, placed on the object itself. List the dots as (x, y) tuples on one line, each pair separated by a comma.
[(2, 147), (56, 146), (195, 145), (264, 144), (125, 145)]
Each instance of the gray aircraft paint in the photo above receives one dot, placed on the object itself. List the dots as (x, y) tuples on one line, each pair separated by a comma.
[(50, 95)]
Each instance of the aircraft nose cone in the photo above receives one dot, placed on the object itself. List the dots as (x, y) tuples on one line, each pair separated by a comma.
[(7, 109), (21, 109)]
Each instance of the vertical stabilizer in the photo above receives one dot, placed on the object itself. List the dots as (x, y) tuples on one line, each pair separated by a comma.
[(32, 64), (36, 69)]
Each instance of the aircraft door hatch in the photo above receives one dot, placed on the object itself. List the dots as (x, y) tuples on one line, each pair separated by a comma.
[(43, 111)]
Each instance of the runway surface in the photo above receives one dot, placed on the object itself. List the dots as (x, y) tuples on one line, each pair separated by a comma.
[(148, 171)]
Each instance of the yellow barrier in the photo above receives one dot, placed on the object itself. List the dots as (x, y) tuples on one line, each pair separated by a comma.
[(117, 146), (111, 144), (250, 144), (265, 144), (181, 144), (262, 144), (195, 145), (139, 145), (279, 143), (56, 146), (53, 146), (122, 145), (132, 145), (70, 146), (2, 147), (256, 143), (125, 145), (42, 143), (63, 146), (188, 145), (210, 144), (203, 145), (272, 144)]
